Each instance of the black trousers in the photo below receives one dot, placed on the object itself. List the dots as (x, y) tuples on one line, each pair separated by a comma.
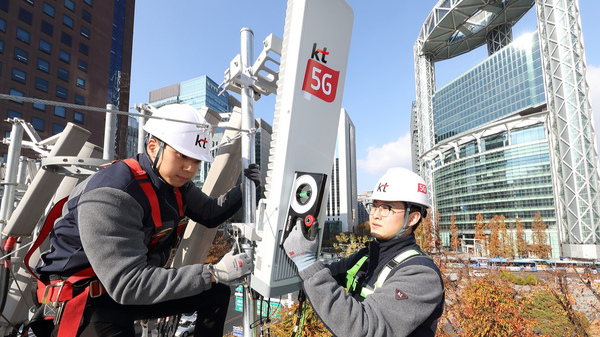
[(105, 317)]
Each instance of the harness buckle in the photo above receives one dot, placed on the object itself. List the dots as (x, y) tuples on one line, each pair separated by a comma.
[(45, 300), (96, 289)]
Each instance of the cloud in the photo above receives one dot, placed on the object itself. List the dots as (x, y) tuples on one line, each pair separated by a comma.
[(379, 159)]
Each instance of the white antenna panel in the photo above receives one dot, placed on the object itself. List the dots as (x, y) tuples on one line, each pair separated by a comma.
[(316, 44)]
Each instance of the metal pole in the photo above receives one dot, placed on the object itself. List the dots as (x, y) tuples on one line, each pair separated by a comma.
[(141, 132), (249, 190), (110, 132), (10, 178)]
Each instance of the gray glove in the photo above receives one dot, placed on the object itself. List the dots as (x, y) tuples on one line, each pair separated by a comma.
[(232, 267), (300, 249), (253, 173)]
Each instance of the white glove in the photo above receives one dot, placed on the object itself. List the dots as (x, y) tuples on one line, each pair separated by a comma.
[(232, 267)]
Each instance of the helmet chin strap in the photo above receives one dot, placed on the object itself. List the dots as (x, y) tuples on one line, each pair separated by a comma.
[(160, 150), (161, 146), (404, 228)]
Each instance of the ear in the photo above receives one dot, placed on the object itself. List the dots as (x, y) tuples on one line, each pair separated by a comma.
[(413, 219), (152, 148)]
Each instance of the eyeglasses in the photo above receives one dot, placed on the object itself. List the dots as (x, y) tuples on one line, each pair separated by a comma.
[(384, 210)]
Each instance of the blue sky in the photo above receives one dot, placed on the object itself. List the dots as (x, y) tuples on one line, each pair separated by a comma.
[(191, 38)]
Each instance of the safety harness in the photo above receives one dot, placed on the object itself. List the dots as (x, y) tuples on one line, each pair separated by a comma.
[(68, 297), (352, 280)]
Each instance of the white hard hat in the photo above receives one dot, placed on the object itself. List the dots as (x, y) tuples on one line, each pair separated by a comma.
[(400, 184), (188, 139)]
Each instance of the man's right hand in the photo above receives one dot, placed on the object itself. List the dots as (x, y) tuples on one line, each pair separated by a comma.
[(232, 267)]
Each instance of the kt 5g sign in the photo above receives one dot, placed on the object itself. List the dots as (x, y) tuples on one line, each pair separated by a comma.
[(320, 80)]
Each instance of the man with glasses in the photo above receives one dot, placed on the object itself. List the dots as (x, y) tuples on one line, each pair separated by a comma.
[(391, 288)]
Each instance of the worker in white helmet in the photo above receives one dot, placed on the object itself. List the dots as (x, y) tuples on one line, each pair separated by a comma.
[(391, 288), (120, 228)]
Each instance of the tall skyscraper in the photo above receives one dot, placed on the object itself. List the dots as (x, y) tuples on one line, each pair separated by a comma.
[(71, 51), (512, 136), (342, 206)]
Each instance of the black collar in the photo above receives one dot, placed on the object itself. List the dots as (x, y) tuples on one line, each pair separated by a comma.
[(161, 186)]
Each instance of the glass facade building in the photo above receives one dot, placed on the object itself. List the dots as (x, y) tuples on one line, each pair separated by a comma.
[(505, 171), (509, 81), (512, 136)]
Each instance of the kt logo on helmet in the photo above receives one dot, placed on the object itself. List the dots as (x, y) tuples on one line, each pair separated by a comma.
[(201, 142), (422, 188), (382, 187), (320, 80)]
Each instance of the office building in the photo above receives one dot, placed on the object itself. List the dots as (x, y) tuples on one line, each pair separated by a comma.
[(71, 51), (513, 135), (132, 137), (362, 201), (342, 205)]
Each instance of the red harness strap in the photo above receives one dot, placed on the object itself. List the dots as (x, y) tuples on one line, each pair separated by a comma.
[(142, 178), (75, 298)]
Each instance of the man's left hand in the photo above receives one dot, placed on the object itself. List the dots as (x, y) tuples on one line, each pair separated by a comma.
[(253, 173)]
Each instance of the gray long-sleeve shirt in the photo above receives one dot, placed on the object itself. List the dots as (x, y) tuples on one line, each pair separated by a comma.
[(107, 224), (407, 304)]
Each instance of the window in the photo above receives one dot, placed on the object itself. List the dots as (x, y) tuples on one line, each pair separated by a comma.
[(87, 16), (67, 21), (41, 84), (57, 128), (19, 75), (23, 35), (85, 32), (60, 111), (4, 5), (70, 5), (14, 114), (45, 46), (14, 92), (39, 106), (82, 65), (80, 82), (48, 9), (21, 55), (25, 15), (1, 47), (37, 123), (89, 2), (47, 28), (43, 65), (64, 56), (78, 117), (2, 24), (83, 48), (66, 39), (63, 74), (61, 92), (79, 99)]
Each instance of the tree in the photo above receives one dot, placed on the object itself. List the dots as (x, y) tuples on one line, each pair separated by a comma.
[(454, 240), (437, 238), (363, 229), (480, 233), (521, 242), (425, 234), (491, 307), (539, 237), (220, 246), (507, 242), (350, 244), (494, 238)]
